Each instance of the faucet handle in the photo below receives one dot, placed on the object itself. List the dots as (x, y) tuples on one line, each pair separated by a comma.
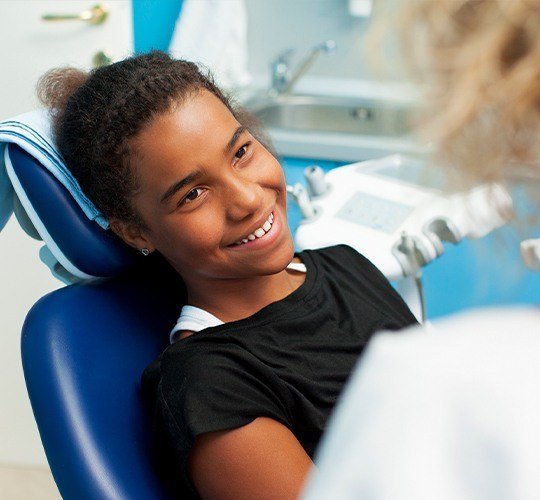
[(329, 46), (279, 69), (283, 57)]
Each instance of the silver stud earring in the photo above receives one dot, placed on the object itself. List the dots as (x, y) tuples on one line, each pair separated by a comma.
[(145, 251)]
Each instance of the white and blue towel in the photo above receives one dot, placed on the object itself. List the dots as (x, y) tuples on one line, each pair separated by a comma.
[(32, 131)]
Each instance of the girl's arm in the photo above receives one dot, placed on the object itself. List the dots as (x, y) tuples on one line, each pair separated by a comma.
[(262, 459)]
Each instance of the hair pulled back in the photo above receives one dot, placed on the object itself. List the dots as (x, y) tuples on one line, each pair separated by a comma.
[(96, 113)]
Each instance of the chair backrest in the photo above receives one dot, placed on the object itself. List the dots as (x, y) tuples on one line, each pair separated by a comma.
[(84, 348)]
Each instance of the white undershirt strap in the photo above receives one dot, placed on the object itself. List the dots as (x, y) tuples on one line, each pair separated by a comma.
[(297, 266)]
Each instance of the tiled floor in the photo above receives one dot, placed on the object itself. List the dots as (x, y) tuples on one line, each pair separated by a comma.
[(27, 483)]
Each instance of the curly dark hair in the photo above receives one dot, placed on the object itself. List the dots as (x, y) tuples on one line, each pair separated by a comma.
[(96, 113)]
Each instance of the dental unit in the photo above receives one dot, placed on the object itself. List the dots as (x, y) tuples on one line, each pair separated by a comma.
[(397, 215)]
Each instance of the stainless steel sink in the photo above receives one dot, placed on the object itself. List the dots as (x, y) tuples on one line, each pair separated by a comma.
[(332, 115), (335, 128)]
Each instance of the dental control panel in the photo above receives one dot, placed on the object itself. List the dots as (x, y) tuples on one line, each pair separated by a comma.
[(393, 210)]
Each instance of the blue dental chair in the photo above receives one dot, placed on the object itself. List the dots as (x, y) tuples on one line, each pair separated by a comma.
[(84, 346)]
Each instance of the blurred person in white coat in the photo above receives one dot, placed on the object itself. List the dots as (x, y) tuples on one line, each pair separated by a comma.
[(454, 413)]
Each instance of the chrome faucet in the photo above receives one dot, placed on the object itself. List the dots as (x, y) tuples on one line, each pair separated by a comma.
[(283, 79)]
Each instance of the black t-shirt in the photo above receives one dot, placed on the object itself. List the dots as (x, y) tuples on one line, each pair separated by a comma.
[(289, 361)]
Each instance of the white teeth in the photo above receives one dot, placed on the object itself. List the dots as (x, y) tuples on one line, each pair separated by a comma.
[(259, 233)]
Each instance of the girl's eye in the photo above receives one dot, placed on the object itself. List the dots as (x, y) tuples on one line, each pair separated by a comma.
[(241, 152), (189, 198)]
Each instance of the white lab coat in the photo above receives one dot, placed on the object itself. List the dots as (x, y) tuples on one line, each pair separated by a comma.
[(453, 413)]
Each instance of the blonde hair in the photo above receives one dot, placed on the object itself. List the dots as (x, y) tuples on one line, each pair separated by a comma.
[(479, 64)]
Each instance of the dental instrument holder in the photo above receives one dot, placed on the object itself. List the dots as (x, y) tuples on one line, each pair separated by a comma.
[(396, 217), (410, 287), (316, 183), (301, 198)]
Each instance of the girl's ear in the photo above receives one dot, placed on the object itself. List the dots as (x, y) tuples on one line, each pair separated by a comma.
[(130, 234)]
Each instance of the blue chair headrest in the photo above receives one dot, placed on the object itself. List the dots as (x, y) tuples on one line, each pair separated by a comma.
[(80, 246)]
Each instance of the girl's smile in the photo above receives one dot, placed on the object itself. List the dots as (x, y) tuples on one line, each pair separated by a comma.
[(262, 236)]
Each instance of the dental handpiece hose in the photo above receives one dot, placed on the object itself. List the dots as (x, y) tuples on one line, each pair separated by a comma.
[(409, 248)]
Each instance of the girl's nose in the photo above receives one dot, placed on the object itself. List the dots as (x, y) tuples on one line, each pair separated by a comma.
[(243, 197)]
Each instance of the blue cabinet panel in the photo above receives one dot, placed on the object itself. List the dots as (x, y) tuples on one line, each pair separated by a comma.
[(153, 23)]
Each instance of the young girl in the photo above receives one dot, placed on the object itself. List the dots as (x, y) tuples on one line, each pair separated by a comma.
[(268, 336)]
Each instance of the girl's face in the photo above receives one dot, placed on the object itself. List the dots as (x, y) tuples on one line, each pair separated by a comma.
[(206, 183)]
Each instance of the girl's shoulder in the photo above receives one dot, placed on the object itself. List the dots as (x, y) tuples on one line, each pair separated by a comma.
[(349, 261)]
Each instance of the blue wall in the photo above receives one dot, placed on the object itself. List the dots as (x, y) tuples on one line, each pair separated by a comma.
[(473, 273), (153, 23)]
